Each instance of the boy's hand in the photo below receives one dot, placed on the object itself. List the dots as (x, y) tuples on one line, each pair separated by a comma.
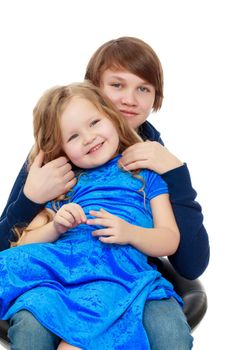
[(149, 155), (46, 182), (68, 216), (117, 230)]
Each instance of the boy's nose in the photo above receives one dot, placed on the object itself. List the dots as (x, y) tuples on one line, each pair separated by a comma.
[(129, 98)]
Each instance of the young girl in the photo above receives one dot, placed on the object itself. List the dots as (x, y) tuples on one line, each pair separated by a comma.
[(130, 74), (89, 284)]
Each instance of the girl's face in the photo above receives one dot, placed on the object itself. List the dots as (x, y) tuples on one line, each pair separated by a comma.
[(131, 95), (89, 138)]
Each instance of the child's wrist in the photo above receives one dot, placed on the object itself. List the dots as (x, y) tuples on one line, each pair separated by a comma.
[(56, 230), (133, 235)]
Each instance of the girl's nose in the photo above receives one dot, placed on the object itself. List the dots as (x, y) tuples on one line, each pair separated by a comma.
[(88, 138)]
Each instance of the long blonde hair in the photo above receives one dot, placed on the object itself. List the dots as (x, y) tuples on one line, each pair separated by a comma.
[(47, 114), (47, 128)]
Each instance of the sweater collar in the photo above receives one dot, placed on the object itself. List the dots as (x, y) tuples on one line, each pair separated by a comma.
[(148, 132)]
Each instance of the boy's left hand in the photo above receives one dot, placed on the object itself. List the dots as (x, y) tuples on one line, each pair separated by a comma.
[(117, 230), (149, 155)]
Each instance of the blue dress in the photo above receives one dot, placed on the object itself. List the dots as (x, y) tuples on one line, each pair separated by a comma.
[(89, 293)]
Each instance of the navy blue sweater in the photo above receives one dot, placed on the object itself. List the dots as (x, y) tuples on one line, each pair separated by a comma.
[(192, 255)]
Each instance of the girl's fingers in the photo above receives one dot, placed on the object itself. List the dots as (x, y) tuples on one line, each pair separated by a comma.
[(76, 210), (102, 232), (100, 213), (81, 214), (66, 215), (100, 222), (63, 221), (109, 239)]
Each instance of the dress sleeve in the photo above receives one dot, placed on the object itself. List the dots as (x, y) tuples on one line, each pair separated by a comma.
[(154, 185)]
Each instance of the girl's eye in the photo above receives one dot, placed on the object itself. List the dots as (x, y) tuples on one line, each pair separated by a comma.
[(94, 122), (72, 137), (143, 89)]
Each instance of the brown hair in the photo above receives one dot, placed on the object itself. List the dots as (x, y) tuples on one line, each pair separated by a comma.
[(48, 110), (131, 54)]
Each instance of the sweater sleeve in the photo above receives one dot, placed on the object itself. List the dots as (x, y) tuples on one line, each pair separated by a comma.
[(19, 210), (192, 255)]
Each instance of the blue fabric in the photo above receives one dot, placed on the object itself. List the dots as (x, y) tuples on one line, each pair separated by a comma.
[(89, 293), (192, 255)]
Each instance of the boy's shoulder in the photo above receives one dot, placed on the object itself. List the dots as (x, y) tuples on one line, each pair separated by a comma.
[(148, 132)]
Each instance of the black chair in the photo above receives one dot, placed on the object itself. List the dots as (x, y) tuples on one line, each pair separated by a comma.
[(192, 293)]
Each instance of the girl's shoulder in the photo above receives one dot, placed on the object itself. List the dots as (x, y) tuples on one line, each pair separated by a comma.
[(154, 184)]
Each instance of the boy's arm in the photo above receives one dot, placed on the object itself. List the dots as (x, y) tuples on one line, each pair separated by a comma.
[(192, 255), (42, 183), (19, 210)]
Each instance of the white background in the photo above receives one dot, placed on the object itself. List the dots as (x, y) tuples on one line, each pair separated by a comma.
[(44, 43)]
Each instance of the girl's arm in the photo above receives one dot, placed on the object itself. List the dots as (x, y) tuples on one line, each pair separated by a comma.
[(192, 256), (40, 229), (161, 240), (48, 226), (30, 192)]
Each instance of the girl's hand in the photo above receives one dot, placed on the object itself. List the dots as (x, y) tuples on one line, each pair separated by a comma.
[(46, 182), (117, 230), (150, 155), (68, 216)]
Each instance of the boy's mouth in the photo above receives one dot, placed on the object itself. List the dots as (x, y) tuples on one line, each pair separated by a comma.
[(128, 113)]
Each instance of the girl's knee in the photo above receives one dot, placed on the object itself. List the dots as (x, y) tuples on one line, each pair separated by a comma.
[(166, 326), (24, 332), (65, 346), (24, 318)]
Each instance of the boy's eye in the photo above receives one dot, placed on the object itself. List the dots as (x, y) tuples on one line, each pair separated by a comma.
[(94, 122), (116, 85), (143, 89), (72, 137)]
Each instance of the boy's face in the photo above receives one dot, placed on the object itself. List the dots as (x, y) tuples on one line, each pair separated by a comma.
[(89, 138), (131, 95)]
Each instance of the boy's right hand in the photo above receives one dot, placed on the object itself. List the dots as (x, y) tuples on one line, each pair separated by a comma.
[(46, 182), (68, 216)]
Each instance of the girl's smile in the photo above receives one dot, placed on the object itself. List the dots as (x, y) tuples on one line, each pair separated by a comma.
[(95, 148), (90, 139)]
